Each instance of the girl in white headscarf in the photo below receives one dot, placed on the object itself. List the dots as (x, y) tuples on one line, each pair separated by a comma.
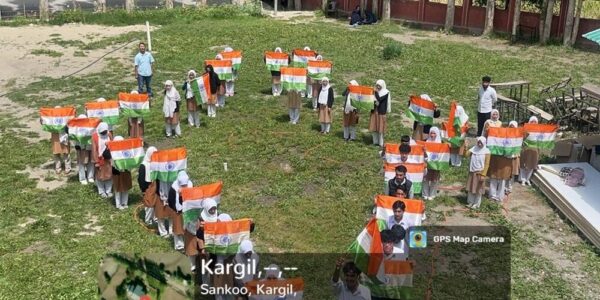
[(175, 205), (171, 105), (420, 130), (121, 183), (383, 105), (276, 77), (515, 158), (325, 104), (316, 85), (84, 160), (494, 121), (309, 88), (101, 160), (230, 84), (221, 90), (191, 101), (61, 149), (135, 125), (209, 214), (432, 177), (501, 167), (529, 160), (350, 116), (249, 258), (480, 162), (147, 184)]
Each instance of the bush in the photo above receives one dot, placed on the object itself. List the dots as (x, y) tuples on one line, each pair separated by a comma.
[(392, 50)]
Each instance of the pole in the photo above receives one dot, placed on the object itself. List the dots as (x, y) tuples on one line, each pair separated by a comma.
[(148, 36), (275, 6)]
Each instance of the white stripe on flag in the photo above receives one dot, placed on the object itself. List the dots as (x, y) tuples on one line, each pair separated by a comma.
[(169, 166), (135, 105), (100, 113), (127, 154), (421, 110), (197, 203), (227, 239)]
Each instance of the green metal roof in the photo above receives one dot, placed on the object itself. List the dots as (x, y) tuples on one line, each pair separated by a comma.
[(593, 36)]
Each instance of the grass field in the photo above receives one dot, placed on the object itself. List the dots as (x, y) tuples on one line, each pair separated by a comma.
[(306, 192)]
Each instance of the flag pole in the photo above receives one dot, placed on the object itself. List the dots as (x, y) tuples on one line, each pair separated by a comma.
[(148, 36)]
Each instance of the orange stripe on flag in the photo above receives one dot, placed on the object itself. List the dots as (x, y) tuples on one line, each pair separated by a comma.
[(411, 168), (297, 284), (546, 128), (232, 54), (503, 132), (227, 227), (132, 97), (397, 267), (218, 63), (102, 105), (422, 102), (84, 122), (437, 147), (412, 205), (450, 129), (320, 64), (301, 52), (68, 111), (203, 191), (169, 155), (360, 89), (293, 71), (125, 144), (392, 148), (376, 250), (276, 55)]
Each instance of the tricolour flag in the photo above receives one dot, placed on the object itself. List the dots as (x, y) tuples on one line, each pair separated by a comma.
[(201, 88), (392, 154), (367, 249), (235, 57), (361, 97), (438, 156), (421, 110), (81, 129), (505, 141), (301, 57), (223, 68), (134, 105), (319, 69), (413, 213), (414, 174), (108, 111), (540, 135), (293, 78), (293, 289), (193, 198), (448, 134), (224, 238), (55, 119), (394, 281), (276, 60), (166, 164), (126, 154)]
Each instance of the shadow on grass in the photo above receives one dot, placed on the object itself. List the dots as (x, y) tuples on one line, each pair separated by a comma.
[(283, 118), (268, 92)]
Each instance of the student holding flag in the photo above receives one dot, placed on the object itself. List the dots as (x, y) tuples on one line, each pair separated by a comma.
[(190, 99), (121, 181), (101, 160), (400, 186), (493, 122), (350, 288), (215, 85), (110, 126), (350, 115), (147, 184), (174, 200), (309, 91), (529, 158), (421, 130), (461, 119), (61, 150), (221, 87), (171, 104), (515, 158), (316, 84), (325, 104), (478, 167), (432, 177), (382, 106), (85, 166), (230, 83), (294, 103), (282, 60), (135, 124)]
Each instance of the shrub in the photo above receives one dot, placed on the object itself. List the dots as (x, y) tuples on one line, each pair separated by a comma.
[(392, 50)]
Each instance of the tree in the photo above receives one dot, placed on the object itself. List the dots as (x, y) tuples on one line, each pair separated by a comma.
[(323, 5), (569, 23), (386, 13), (449, 16), (298, 4), (375, 8), (129, 5), (576, 22), (547, 23), (516, 21), (489, 17), (290, 5), (44, 10), (169, 4)]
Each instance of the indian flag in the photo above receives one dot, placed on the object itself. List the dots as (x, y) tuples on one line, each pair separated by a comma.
[(193, 198), (293, 78), (126, 154), (414, 174), (276, 60), (392, 154), (55, 119), (301, 57), (421, 110), (505, 141), (319, 69), (293, 285), (413, 214), (448, 135), (367, 249), (235, 57), (361, 97), (201, 88), (223, 68), (81, 129), (166, 164), (540, 135), (108, 111), (438, 156), (224, 238), (394, 281), (134, 105)]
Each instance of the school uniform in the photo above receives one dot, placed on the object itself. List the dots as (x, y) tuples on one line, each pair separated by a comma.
[(191, 105), (135, 127), (325, 105), (61, 151), (121, 185), (149, 190), (85, 166), (478, 167), (102, 162), (294, 103), (529, 162), (171, 105), (175, 210), (350, 118), (378, 120), (215, 84)]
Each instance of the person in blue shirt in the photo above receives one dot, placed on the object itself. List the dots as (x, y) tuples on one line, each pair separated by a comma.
[(143, 69)]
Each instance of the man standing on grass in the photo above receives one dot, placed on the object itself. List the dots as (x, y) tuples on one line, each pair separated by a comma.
[(143, 69), (487, 100)]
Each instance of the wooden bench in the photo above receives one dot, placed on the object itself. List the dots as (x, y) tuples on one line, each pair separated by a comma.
[(591, 90), (538, 111)]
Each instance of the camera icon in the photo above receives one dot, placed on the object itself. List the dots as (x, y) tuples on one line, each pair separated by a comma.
[(417, 238)]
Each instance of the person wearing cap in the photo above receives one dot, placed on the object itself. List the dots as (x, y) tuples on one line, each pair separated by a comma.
[(191, 101), (176, 208), (85, 166), (350, 115), (381, 107), (325, 104), (101, 160), (350, 288), (135, 126), (121, 182), (171, 104), (487, 99), (148, 186)]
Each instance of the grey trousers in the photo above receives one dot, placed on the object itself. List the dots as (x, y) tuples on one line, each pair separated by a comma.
[(294, 115), (350, 132), (325, 127), (429, 188), (194, 118), (104, 186), (86, 168), (59, 159), (170, 127), (377, 138), (474, 200)]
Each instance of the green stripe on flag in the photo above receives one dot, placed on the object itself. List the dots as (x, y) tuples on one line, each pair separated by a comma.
[(318, 76), (298, 64), (272, 67), (298, 86), (539, 144), (225, 76), (455, 142), (128, 163), (191, 215), (417, 187), (168, 176), (53, 128), (360, 256), (222, 250), (504, 151), (419, 118), (363, 106), (438, 165), (134, 113), (112, 120), (83, 140)]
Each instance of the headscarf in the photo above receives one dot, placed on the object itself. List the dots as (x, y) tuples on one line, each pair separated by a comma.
[(219, 57), (191, 72), (319, 57), (384, 91), (348, 108), (425, 97), (461, 115), (306, 48), (206, 206), (324, 94), (224, 218), (492, 114), (102, 139), (478, 155), (182, 180), (146, 162), (246, 246), (240, 258), (273, 271), (118, 138), (82, 116), (513, 123), (134, 92), (171, 97), (438, 138), (278, 50), (532, 119), (228, 49), (100, 100)]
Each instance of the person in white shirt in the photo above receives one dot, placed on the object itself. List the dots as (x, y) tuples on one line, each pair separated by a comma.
[(400, 246), (398, 217), (487, 100), (350, 288)]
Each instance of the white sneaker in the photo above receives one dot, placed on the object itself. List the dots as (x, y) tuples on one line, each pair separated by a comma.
[(120, 207), (125, 207), (528, 183), (91, 180), (109, 195), (84, 182), (193, 269), (523, 183), (103, 195)]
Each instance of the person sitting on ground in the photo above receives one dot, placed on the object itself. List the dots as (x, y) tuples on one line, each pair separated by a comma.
[(350, 287), (370, 18), (356, 18)]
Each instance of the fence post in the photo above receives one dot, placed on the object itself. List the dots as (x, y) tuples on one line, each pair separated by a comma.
[(148, 36)]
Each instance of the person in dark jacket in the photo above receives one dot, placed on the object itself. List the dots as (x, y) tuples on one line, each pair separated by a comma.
[(382, 106), (400, 186), (371, 18), (324, 105), (215, 84), (355, 17)]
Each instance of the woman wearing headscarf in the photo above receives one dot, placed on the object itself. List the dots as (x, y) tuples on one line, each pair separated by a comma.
[(420, 130), (171, 104), (350, 116), (316, 85), (176, 208), (383, 105), (221, 88), (456, 153), (529, 160), (148, 186), (230, 84), (478, 166), (515, 158), (276, 77), (494, 121), (249, 258), (325, 104), (432, 177), (190, 99), (101, 160), (85, 166), (500, 168), (209, 214), (215, 85), (121, 183), (294, 103), (61, 150), (309, 91), (135, 126)]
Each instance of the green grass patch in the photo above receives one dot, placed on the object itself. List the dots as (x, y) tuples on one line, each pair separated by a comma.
[(48, 52)]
